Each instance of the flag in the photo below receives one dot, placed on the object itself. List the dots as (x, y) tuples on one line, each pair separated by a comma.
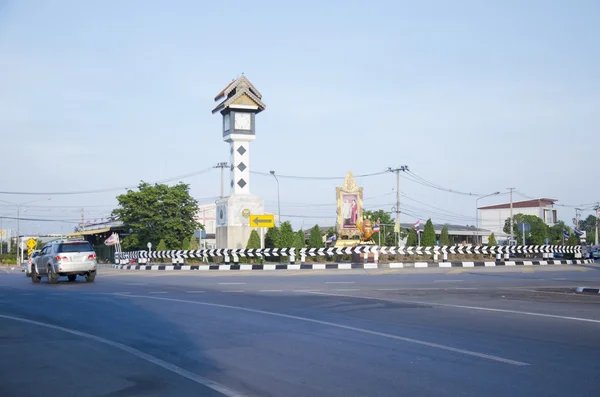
[(565, 233), (331, 239), (416, 224), (577, 232), (112, 240), (377, 226)]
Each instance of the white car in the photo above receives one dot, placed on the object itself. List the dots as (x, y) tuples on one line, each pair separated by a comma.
[(69, 258)]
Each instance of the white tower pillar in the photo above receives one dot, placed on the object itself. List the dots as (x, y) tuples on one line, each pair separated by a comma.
[(241, 101)]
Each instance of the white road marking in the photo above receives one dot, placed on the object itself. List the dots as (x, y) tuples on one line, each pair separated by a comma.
[(447, 281), (195, 292), (157, 292), (138, 353), (387, 289), (231, 283), (488, 309), (339, 282), (346, 289), (306, 290), (346, 327), (270, 290)]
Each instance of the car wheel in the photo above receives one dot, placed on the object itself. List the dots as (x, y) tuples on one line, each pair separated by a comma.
[(90, 277), (34, 276), (72, 277), (52, 277)]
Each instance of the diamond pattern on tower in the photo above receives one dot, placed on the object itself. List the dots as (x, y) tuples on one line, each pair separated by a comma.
[(242, 183), (241, 166), (231, 167), (241, 150)]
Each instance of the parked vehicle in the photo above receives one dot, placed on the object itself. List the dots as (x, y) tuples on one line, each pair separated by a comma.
[(69, 258)]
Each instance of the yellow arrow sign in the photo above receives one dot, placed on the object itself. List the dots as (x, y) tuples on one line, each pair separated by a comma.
[(29, 252), (31, 243), (266, 220)]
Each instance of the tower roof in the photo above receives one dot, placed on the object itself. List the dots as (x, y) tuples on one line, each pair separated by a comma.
[(237, 89)]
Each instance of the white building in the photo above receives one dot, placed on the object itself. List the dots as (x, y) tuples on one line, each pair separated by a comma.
[(207, 216), (493, 217)]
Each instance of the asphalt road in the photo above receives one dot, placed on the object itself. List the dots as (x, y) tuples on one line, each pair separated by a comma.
[(427, 332)]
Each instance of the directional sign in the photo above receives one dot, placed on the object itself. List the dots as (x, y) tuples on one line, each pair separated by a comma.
[(266, 220), (31, 243)]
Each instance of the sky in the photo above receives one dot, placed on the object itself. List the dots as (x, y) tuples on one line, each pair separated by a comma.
[(473, 96)]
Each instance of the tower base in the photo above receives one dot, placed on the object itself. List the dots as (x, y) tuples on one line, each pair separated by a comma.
[(233, 227)]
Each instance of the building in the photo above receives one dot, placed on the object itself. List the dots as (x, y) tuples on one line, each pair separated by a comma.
[(493, 217), (207, 216)]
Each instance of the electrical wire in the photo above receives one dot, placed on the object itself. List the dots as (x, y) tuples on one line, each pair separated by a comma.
[(107, 189), (316, 177)]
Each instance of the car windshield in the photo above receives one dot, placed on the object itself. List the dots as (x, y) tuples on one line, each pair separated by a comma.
[(75, 247)]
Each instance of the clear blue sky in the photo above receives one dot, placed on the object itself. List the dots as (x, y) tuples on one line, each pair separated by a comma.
[(472, 95)]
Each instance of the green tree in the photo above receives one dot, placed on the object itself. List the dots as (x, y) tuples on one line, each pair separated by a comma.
[(539, 230), (272, 237), (573, 239), (287, 237), (492, 240), (330, 232), (555, 233), (162, 246), (428, 238), (300, 241), (253, 240), (315, 240), (411, 239), (589, 226), (185, 244), (194, 243), (444, 239), (155, 212)]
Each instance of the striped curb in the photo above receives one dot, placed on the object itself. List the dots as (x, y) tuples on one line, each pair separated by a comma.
[(361, 249), (349, 266), (588, 290)]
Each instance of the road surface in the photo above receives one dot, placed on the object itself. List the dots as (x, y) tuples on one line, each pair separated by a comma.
[(429, 332)]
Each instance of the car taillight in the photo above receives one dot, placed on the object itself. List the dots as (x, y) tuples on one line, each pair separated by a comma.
[(92, 256), (61, 258)]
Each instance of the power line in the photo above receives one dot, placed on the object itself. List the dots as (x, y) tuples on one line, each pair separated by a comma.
[(107, 189), (37, 220), (316, 177)]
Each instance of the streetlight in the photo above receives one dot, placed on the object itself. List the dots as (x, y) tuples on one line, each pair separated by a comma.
[(477, 215), (19, 218), (278, 201)]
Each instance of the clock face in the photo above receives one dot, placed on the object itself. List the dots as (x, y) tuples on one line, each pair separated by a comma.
[(226, 122), (243, 121)]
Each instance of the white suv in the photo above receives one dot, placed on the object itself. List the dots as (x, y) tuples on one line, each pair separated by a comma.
[(65, 258)]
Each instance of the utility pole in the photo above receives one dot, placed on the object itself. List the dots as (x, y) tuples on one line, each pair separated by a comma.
[(402, 168), (597, 219), (222, 166), (511, 215), (83, 219)]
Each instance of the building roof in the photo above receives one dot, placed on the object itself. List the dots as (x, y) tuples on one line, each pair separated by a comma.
[(536, 203), (236, 89)]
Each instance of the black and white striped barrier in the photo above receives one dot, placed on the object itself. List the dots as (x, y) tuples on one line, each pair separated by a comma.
[(350, 266), (230, 254)]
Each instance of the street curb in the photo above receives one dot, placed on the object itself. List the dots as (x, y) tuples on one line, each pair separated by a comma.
[(349, 266), (588, 290)]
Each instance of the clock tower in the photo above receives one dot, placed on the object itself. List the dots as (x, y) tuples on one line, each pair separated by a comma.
[(239, 103)]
